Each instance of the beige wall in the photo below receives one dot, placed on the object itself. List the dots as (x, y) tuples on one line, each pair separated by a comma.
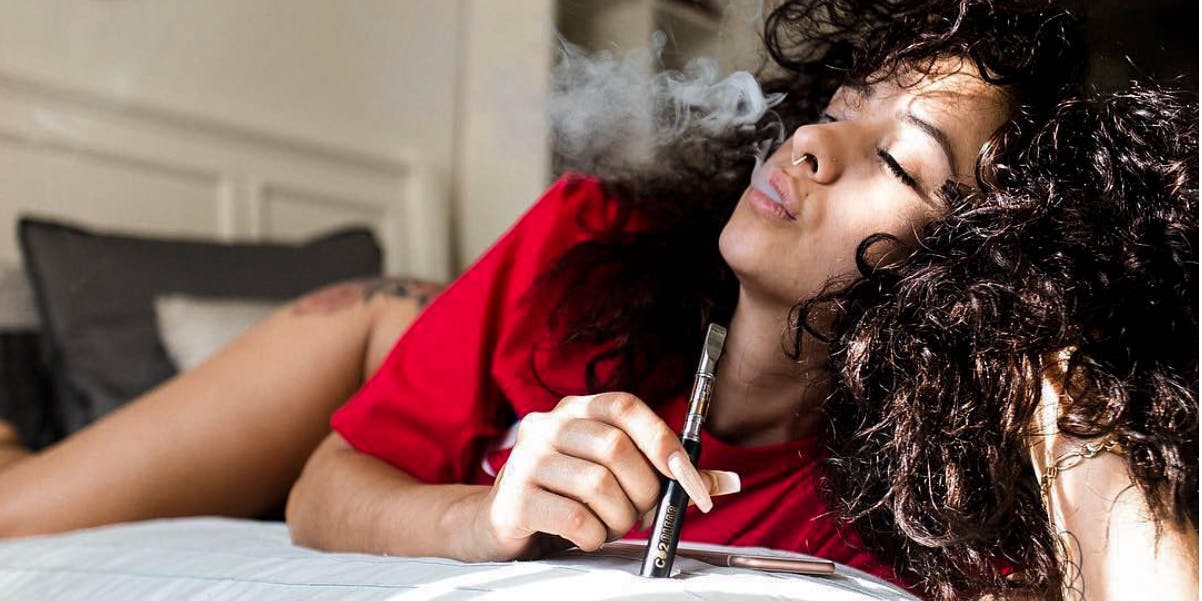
[(504, 157), (452, 90), (407, 81), (375, 75)]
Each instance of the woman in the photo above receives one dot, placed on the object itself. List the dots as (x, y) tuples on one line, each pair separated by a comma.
[(877, 162), (917, 355)]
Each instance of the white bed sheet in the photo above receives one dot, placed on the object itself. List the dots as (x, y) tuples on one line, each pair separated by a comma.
[(217, 558)]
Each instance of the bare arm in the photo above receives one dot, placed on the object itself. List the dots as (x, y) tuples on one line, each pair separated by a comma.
[(349, 501), (1111, 547), (583, 473)]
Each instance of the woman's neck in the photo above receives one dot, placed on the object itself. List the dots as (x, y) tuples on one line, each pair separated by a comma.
[(761, 396)]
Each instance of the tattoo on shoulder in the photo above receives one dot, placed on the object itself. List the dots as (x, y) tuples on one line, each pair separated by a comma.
[(330, 299), (337, 297), (420, 290)]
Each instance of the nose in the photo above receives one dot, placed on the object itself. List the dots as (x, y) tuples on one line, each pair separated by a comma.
[(815, 153)]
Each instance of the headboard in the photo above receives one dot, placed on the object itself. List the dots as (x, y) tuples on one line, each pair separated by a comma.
[(140, 169)]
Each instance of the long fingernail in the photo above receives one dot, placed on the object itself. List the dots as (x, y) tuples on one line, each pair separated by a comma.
[(684, 472), (725, 483)]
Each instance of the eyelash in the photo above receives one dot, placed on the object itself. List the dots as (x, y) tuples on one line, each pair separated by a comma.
[(896, 168), (891, 163)]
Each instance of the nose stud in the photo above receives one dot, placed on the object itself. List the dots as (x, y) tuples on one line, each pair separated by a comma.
[(805, 157)]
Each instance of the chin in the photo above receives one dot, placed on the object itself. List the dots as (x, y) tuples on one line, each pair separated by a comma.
[(757, 264), (752, 263), (739, 245)]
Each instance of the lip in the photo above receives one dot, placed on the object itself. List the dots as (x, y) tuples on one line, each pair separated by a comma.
[(764, 203), (783, 185)]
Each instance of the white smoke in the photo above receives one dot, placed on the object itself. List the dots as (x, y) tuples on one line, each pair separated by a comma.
[(625, 112)]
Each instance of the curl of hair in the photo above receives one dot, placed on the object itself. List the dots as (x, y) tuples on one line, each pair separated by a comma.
[(1083, 239)]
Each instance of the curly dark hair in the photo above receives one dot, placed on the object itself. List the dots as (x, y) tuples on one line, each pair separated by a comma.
[(1082, 241), (1080, 236)]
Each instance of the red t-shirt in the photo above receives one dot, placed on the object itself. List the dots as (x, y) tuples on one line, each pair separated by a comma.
[(443, 405)]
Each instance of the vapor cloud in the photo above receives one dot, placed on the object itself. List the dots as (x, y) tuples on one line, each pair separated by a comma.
[(624, 112)]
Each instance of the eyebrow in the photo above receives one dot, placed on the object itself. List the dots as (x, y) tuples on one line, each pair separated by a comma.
[(937, 134)]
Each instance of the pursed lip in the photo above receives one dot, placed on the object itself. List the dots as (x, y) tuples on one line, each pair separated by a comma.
[(784, 187)]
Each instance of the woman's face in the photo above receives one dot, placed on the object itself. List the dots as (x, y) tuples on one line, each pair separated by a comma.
[(872, 164)]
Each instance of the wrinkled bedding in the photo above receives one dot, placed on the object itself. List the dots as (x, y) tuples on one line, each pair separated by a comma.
[(217, 558)]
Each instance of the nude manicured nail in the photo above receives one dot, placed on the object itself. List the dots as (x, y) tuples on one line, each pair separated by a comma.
[(684, 473), (725, 483)]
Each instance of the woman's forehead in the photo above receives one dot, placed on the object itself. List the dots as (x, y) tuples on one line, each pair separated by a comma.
[(961, 106), (944, 88)]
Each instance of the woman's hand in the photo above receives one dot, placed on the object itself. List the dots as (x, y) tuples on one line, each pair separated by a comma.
[(586, 472)]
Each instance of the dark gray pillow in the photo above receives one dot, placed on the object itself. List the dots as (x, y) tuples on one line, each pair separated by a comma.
[(95, 295)]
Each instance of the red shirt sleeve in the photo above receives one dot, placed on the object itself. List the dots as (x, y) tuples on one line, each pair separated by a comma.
[(436, 401)]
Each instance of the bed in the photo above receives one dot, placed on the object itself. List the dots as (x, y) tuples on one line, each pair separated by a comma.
[(217, 558)]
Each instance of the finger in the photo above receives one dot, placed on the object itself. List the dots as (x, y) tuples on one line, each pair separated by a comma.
[(687, 475), (648, 431), (548, 512), (589, 483), (602, 443), (719, 482)]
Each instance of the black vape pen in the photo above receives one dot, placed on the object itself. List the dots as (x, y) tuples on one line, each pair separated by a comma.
[(669, 518)]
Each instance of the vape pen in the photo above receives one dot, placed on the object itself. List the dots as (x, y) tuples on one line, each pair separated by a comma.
[(669, 518)]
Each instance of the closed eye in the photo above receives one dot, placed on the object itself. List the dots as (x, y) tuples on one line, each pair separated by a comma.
[(897, 169), (894, 167)]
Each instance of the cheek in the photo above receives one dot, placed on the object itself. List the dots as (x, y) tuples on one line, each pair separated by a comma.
[(868, 210), (794, 263), (874, 210)]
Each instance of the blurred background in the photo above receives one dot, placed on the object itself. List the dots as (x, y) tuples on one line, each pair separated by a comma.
[(425, 121)]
